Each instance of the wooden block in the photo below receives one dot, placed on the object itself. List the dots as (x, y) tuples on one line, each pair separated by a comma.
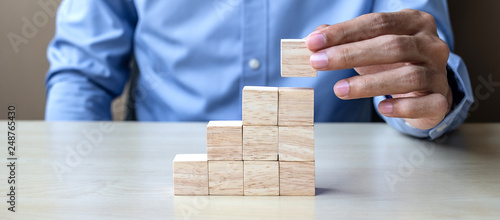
[(261, 178), (225, 178), (297, 179), (296, 143), (260, 105), (260, 142), (296, 106), (295, 59), (225, 140), (190, 174)]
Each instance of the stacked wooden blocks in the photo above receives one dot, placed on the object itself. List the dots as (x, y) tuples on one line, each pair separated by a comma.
[(269, 152)]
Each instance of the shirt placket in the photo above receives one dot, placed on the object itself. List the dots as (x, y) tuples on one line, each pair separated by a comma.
[(255, 44)]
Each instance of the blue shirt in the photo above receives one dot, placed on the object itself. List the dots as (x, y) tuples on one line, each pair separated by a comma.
[(193, 57)]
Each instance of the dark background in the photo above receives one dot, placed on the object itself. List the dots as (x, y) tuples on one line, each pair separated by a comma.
[(476, 25)]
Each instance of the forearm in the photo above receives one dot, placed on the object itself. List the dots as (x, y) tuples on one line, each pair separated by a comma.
[(89, 58), (70, 96)]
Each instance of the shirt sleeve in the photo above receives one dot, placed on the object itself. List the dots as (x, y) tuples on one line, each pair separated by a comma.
[(89, 58), (458, 76)]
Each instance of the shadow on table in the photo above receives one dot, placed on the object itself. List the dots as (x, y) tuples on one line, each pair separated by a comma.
[(323, 191), (467, 140)]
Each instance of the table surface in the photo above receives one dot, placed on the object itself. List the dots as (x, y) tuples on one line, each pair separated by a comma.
[(123, 170)]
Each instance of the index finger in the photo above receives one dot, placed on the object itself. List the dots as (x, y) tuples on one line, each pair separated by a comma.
[(405, 22)]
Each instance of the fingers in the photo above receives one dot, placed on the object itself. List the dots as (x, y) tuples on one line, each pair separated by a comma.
[(395, 53), (320, 39), (377, 68), (406, 22), (432, 108), (385, 49), (314, 40), (321, 27), (396, 81)]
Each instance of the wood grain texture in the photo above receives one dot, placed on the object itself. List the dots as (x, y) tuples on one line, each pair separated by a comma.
[(295, 59), (260, 142), (297, 179), (296, 106), (190, 174), (296, 143), (225, 140), (128, 175), (260, 105), (225, 178), (261, 178)]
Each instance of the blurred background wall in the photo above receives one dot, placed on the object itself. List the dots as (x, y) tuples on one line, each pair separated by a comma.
[(23, 67), (476, 25)]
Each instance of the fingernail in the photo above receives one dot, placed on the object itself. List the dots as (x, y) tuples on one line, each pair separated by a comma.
[(342, 88), (316, 41), (385, 107), (319, 60)]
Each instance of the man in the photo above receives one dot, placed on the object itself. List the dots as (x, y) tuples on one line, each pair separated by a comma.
[(194, 57)]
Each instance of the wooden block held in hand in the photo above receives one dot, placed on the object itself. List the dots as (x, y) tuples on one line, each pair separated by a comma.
[(225, 178), (190, 174), (260, 105), (225, 140), (261, 178), (260, 142), (296, 106), (295, 59), (296, 143), (297, 179)]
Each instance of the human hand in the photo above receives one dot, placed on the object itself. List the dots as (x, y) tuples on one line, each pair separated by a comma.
[(398, 54)]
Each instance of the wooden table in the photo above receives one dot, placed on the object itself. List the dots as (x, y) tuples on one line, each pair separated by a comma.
[(123, 170)]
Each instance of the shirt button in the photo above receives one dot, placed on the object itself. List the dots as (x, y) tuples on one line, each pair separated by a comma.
[(254, 63)]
